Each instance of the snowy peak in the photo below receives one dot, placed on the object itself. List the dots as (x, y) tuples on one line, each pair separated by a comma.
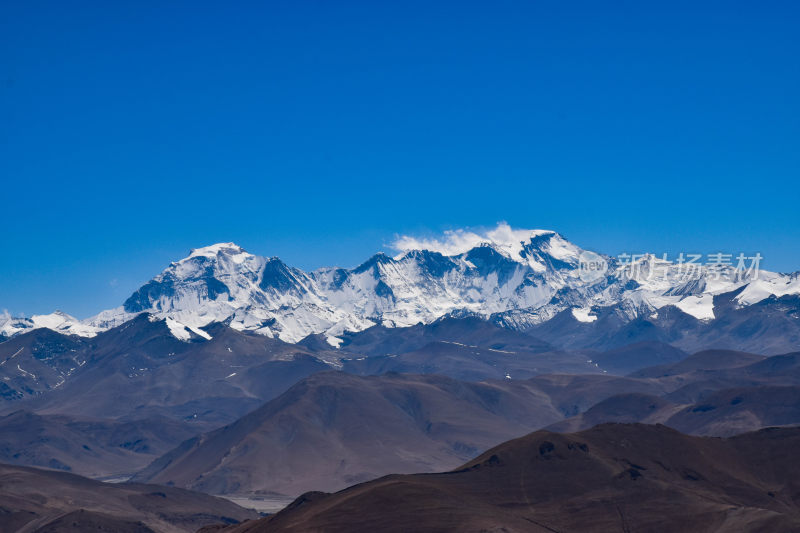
[(374, 264), (279, 278), (553, 248), (515, 277), (540, 250), (210, 273)]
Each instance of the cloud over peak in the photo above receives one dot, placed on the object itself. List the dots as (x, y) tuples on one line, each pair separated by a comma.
[(458, 241)]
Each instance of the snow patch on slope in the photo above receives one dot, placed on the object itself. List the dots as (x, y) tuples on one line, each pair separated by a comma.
[(699, 306), (182, 331), (583, 314)]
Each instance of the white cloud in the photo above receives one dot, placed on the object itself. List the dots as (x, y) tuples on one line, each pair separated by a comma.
[(458, 241)]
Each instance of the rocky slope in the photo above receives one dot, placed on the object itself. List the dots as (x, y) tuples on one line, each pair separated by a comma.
[(606, 479)]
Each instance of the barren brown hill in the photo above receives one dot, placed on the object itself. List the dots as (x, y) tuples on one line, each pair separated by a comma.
[(611, 478), (473, 363), (34, 500), (704, 361), (620, 408), (96, 448), (695, 386), (721, 414), (334, 429), (631, 357), (731, 411)]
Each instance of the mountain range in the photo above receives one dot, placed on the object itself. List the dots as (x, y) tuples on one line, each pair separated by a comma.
[(521, 279), (240, 376)]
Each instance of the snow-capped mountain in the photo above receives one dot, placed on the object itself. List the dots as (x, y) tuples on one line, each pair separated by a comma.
[(57, 321), (517, 277)]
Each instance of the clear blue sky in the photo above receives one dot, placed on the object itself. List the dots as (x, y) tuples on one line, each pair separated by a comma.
[(317, 131)]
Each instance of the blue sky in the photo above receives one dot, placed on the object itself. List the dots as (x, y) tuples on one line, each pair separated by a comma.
[(318, 131)]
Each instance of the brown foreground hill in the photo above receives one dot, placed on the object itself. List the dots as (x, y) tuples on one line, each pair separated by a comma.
[(613, 477), (44, 501)]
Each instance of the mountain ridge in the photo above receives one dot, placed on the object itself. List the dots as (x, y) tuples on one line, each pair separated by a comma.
[(612, 477), (521, 279)]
